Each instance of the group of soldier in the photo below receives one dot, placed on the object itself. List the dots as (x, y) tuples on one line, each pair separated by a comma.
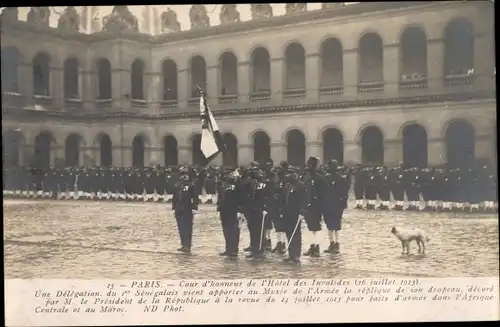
[(266, 196), (443, 190)]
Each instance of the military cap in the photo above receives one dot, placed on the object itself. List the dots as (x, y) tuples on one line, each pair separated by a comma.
[(313, 162), (269, 162), (292, 170)]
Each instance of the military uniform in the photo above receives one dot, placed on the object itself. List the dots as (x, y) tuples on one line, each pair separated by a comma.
[(359, 186), (229, 206), (371, 189), (184, 202), (315, 184), (334, 202), (293, 206), (254, 207), (384, 188)]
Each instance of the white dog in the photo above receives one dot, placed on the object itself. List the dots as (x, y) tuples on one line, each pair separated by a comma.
[(406, 235)]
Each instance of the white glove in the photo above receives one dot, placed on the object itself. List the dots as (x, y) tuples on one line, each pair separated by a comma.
[(264, 212), (301, 217)]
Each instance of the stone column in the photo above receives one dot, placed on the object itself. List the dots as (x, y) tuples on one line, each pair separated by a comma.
[(350, 73), (312, 77), (436, 149), (126, 155), (183, 88), (153, 92), (484, 64), (313, 149), (482, 148), (278, 152), (185, 156), (26, 80), (435, 65), (121, 86), (277, 80), (391, 70), (352, 153), (245, 154), (393, 154), (87, 92), (56, 87), (243, 81), (212, 85)]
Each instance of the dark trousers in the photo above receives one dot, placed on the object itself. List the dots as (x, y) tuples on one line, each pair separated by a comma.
[(254, 219), (231, 231), (279, 223), (384, 193), (413, 193), (295, 247), (313, 219), (398, 192), (185, 227)]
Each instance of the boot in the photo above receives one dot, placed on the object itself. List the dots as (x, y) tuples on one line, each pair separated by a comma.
[(316, 252), (358, 206), (330, 248), (223, 254), (310, 251), (248, 249), (276, 248), (267, 246), (336, 248), (282, 249)]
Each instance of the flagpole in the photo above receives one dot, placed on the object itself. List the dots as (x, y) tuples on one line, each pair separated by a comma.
[(225, 150)]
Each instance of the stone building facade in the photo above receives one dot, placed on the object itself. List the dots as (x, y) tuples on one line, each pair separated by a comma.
[(373, 83)]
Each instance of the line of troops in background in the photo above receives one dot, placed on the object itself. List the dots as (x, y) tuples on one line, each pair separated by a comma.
[(442, 190)]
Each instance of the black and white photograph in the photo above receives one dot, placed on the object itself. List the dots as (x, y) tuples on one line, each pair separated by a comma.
[(250, 141)]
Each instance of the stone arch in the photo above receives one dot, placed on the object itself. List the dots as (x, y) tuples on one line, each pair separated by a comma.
[(104, 81), (331, 55), (260, 61), (72, 150), (261, 146), (138, 150), (197, 155), (11, 60), (295, 67), (413, 49), (228, 64), (198, 70), (372, 146), (230, 157), (170, 82), (137, 79), (170, 150), (12, 147), (460, 143), (296, 148), (333, 145), (415, 146), (43, 149), (71, 79), (41, 74), (105, 150), (371, 58), (459, 48)]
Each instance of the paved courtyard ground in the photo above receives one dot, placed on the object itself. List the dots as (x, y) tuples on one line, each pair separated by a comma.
[(69, 239)]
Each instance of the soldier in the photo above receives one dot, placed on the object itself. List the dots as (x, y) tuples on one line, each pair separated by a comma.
[(489, 189), (229, 206), (410, 183), (170, 181), (475, 191), (210, 185), (384, 189), (371, 188), (334, 203), (294, 204), (276, 190), (254, 207), (359, 186), (272, 208), (314, 183), (185, 204), (149, 186)]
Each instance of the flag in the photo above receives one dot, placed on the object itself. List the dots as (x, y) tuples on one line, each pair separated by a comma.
[(211, 140)]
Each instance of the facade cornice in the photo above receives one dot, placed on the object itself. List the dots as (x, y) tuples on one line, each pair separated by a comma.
[(220, 30), (30, 115)]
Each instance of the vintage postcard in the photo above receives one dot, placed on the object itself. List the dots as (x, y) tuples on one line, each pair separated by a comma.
[(250, 163)]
